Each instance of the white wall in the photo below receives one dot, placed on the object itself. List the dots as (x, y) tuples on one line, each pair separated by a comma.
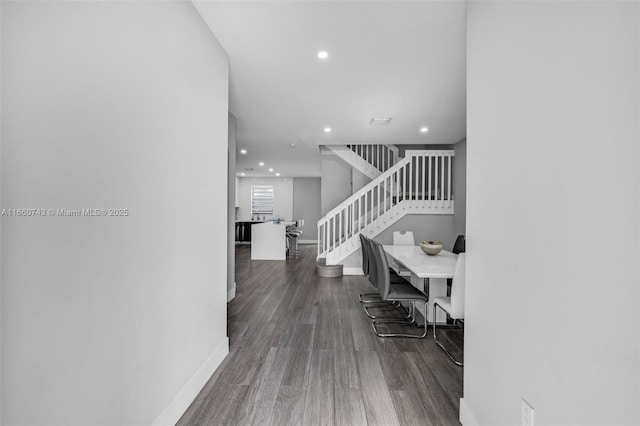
[(306, 205), (336, 181), (552, 212), (460, 187), (358, 180), (111, 105), (1, 205), (231, 210), (282, 197)]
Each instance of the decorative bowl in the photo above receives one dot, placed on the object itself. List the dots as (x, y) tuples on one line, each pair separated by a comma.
[(431, 247)]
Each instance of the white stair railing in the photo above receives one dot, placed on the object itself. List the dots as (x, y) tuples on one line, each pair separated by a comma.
[(420, 183), (382, 157)]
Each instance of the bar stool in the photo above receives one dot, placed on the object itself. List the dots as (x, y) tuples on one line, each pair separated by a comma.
[(293, 233)]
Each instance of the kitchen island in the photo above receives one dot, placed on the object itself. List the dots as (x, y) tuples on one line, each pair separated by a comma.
[(268, 240)]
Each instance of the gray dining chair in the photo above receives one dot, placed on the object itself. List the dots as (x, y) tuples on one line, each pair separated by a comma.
[(374, 277), (395, 292), (373, 297)]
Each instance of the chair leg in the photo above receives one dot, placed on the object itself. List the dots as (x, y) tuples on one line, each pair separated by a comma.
[(435, 339), (376, 298), (413, 336), (408, 318)]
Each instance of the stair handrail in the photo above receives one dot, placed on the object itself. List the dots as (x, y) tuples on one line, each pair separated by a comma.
[(372, 184)]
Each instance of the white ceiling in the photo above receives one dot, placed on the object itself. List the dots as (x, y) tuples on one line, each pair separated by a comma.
[(400, 59)]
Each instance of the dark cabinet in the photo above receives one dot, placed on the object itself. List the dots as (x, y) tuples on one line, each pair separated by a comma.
[(243, 231)]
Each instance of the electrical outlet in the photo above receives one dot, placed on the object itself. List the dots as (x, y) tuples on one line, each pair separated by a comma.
[(527, 413)]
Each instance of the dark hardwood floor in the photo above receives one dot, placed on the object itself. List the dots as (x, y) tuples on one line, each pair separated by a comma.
[(302, 352)]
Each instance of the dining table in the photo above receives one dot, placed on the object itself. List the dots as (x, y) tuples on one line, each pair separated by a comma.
[(429, 273)]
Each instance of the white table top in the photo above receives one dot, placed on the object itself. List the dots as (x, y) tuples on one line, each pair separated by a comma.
[(271, 222), (422, 265)]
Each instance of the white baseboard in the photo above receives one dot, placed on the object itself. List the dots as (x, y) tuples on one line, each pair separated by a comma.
[(231, 293), (176, 408), (466, 416), (352, 270)]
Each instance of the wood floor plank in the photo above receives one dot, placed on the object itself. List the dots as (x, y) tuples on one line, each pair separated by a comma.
[(344, 353), (289, 407), (437, 403), (324, 330), (296, 374), (363, 337), (395, 371), (446, 373), (409, 408), (261, 395), (268, 391), (377, 399), (219, 407), (349, 405), (319, 408)]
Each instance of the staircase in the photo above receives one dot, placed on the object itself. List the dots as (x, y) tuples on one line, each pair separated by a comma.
[(370, 160), (420, 183)]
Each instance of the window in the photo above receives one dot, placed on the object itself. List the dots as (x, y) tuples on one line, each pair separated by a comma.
[(262, 200)]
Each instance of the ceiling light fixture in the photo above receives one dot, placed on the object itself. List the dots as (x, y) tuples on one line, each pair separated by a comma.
[(323, 54), (277, 174), (270, 170), (261, 164), (327, 129), (241, 174), (380, 121), (292, 145), (424, 129), (243, 151)]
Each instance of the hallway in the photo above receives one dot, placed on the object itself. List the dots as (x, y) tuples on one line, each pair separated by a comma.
[(303, 352)]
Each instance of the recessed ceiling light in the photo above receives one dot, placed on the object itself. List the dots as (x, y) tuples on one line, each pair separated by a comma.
[(270, 170), (424, 129), (261, 164), (241, 174), (277, 174), (323, 54), (292, 145), (243, 151), (327, 129)]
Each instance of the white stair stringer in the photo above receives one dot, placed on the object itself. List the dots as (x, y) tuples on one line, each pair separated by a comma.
[(355, 161), (384, 221)]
